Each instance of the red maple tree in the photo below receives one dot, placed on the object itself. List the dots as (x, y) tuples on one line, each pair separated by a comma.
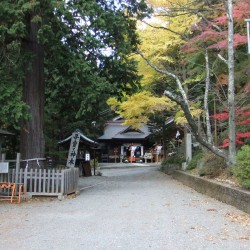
[(243, 118), (213, 34)]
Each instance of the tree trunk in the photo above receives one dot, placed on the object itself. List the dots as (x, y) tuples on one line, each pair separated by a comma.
[(183, 102), (164, 139), (231, 91), (208, 124), (32, 131), (194, 127)]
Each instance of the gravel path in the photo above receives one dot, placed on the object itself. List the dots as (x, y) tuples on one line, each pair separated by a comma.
[(135, 208)]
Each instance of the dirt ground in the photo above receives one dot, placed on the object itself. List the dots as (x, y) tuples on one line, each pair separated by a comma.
[(133, 208)]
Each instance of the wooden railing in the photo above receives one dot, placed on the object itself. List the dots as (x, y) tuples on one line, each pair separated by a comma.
[(39, 181), (45, 182)]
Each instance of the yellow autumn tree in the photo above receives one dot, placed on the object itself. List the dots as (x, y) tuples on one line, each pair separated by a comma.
[(161, 37), (139, 106)]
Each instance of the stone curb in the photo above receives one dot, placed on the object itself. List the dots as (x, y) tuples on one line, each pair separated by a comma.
[(122, 167), (127, 165), (229, 195)]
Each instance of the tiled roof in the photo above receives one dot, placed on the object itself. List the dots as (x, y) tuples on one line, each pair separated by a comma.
[(115, 130)]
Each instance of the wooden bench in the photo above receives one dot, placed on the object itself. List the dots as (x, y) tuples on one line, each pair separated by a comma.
[(14, 191), (10, 190)]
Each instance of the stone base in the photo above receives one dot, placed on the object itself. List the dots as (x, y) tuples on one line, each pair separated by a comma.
[(238, 198)]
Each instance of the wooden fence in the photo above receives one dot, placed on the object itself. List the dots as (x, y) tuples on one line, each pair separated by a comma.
[(45, 182)]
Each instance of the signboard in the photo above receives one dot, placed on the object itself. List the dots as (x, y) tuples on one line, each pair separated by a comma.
[(87, 157), (4, 167), (75, 138)]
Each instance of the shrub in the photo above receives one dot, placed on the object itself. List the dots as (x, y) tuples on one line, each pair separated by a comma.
[(172, 163), (94, 161), (176, 159), (213, 166), (197, 157), (242, 168)]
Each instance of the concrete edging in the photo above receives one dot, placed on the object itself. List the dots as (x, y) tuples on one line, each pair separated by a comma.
[(232, 196)]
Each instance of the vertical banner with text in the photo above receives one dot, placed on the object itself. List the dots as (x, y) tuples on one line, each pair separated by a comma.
[(73, 149)]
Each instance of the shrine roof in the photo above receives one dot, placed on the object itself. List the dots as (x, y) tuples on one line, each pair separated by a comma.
[(115, 130), (5, 132), (83, 139)]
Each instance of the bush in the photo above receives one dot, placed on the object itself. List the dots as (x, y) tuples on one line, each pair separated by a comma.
[(213, 166), (94, 161), (176, 159), (242, 168), (172, 163), (193, 163)]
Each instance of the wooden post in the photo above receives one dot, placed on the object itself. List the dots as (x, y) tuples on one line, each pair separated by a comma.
[(115, 152), (131, 157), (3, 157), (18, 157)]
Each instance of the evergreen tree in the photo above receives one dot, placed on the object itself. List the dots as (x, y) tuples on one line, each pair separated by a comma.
[(74, 51)]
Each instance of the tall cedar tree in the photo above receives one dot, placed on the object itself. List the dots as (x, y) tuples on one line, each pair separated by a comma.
[(46, 27)]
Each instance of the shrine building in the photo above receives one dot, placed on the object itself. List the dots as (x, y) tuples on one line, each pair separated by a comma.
[(119, 142)]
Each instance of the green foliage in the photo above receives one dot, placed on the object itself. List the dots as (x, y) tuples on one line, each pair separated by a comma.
[(242, 169), (93, 63), (176, 159), (87, 46), (172, 163), (94, 162), (198, 155), (12, 107)]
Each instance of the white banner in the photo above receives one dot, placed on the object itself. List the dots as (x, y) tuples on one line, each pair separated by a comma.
[(73, 149)]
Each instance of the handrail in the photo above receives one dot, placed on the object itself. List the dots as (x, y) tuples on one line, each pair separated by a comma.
[(18, 160), (33, 159)]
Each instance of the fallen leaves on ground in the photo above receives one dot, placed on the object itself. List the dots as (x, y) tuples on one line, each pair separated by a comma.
[(211, 209), (245, 237), (227, 179), (241, 218), (223, 178)]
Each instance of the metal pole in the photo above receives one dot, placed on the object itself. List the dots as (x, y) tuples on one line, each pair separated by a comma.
[(248, 34)]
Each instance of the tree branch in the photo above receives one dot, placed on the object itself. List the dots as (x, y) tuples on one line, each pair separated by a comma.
[(223, 59), (166, 72), (165, 28), (194, 127), (183, 102)]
